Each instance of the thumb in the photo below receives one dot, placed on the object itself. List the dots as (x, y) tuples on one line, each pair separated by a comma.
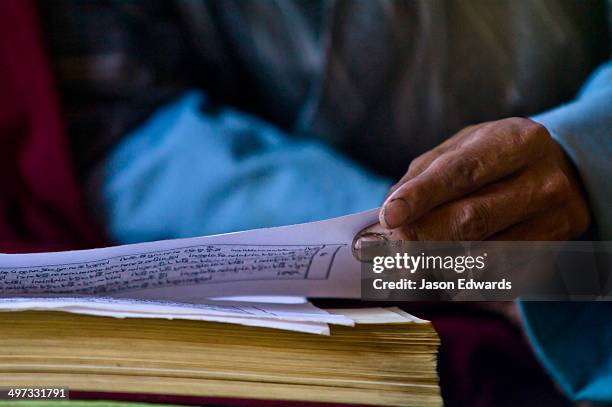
[(368, 237)]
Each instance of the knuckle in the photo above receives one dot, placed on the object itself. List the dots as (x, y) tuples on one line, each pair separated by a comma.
[(471, 222), (514, 122), (535, 129), (485, 131), (524, 133), (416, 166), (557, 187), (535, 133), (468, 174)]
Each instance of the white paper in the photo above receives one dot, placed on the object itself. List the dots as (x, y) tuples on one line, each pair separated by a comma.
[(143, 308), (267, 299), (296, 317), (319, 328), (377, 315), (257, 278), (308, 260)]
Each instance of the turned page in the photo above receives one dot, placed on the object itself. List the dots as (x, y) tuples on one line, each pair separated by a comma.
[(310, 260)]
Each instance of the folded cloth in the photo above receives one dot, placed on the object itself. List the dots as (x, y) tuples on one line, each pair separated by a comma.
[(193, 169), (40, 207)]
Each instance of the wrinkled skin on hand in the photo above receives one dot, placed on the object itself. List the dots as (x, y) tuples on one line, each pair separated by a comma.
[(500, 180)]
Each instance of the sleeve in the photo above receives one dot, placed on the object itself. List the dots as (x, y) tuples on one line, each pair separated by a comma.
[(583, 127), (193, 169), (574, 340)]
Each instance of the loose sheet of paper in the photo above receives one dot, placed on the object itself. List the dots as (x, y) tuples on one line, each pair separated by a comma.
[(308, 260), (261, 277), (281, 312), (303, 317), (295, 317)]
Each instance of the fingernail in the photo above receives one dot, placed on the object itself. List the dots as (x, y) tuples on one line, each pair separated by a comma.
[(395, 212), (368, 237), (362, 241)]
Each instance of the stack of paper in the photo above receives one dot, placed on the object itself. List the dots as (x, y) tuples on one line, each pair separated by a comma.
[(378, 363)]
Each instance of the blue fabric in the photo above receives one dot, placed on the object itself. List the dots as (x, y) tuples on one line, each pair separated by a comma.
[(189, 172), (574, 340), (584, 129)]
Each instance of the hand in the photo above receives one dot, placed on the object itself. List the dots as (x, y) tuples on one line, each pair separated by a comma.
[(501, 180)]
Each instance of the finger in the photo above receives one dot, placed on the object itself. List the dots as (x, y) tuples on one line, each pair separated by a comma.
[(459, 138), (417, 166), (465, 170), (422, 162), (551, 225), (494, 208)]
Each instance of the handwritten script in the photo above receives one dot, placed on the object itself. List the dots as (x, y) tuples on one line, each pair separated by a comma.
[(194, 265)]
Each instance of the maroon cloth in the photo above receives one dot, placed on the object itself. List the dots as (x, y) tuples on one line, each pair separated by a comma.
[(485, 361), (199, 401), (40, 206)]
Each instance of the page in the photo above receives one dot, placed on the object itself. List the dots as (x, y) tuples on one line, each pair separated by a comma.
[(377, 315), (319, 328), (307, 260), (144, 308), (268, 299)]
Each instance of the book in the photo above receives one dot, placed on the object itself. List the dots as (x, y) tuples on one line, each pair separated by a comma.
[(222, 317), (382, 364)]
